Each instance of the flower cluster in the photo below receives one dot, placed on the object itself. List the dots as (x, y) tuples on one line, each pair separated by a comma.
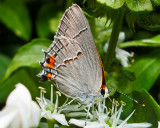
[(50, 111), (99, 117), (21, 112), (102, 117)]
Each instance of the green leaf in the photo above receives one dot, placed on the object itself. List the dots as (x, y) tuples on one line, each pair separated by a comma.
[(120, 79), (150, 27), (150, 113), (115, 4), (4, 62), (146, 69), (16, 18), (131, 18), (156, 2), (139, 5), (27, 77), (130, 75), (50, 21), (28, 56), (152, 42)]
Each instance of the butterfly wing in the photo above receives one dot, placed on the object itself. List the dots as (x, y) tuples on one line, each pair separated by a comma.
[(77, 66)]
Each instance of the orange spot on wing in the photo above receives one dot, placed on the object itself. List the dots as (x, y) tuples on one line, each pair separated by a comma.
[(79, 53), (75, 58), (50, 65), (49, 76), (51, 62), (67, 61)]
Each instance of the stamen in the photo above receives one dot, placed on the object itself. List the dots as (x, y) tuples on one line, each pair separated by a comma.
[(113, 106), (132, 54), (123, 103), (40, 91), (44, 91), (37, 98), (43, 98), (116, 103), (56, 104), (132, 61), (104, 102), (57, 92), (99, 107), (129, 65), (110, 111), (51, 93), (114, 115), (119, 112), (41, 88)]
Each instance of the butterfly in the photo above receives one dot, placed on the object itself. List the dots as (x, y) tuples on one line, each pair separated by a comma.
[(72, 61)]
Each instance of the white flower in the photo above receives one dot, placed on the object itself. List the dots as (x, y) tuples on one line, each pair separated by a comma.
[(49, 110), (20, 111), (121, 54), (104, 118)]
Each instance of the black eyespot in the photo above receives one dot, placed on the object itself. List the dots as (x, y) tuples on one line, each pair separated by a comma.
[(102, 92), (48, 60), (43, 78)]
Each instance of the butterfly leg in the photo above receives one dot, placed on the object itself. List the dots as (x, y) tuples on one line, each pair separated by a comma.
[(68, 103)]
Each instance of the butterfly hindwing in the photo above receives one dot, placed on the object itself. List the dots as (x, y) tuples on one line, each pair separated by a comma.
[(77, 67)]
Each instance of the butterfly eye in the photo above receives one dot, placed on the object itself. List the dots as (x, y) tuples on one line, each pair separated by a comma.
[(43, 78), (102, 92)]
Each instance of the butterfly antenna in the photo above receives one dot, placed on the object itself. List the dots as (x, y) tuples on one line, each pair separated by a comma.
[(129, 97)]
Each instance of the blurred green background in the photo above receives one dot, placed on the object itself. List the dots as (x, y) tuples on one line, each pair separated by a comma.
[(27, 26)]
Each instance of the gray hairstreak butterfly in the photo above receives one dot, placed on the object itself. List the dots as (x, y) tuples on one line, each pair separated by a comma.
[(72, 60)]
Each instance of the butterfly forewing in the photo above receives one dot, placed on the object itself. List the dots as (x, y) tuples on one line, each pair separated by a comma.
[(77, 67)]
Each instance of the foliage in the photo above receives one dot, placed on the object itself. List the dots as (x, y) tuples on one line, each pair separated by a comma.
[(27, 27)]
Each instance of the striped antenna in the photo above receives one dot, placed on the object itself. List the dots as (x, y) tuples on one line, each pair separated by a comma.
[(128, 96)]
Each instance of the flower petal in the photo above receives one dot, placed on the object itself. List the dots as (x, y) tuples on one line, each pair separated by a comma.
[(60, 118), (81, 123), (139, 125), (46, 114), (126, 120), (96, 125), (76, 114), (20, 94), (73, 108), (7, 116), (35, 115)]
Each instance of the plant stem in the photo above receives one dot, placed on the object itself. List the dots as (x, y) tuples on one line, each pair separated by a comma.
[(117, 23), (91, 20)]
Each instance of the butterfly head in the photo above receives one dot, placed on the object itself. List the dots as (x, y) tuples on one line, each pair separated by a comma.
[(104, 91)]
